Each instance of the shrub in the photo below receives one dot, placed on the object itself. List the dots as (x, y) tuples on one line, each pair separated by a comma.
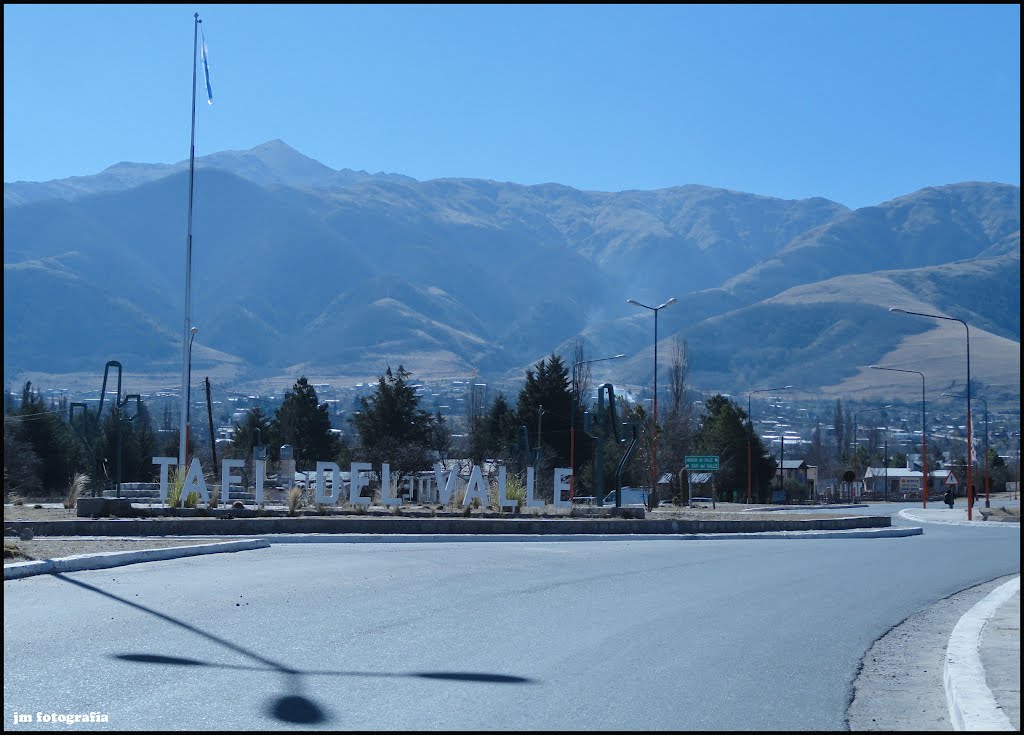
[(215, 497), (176, 485), (294, 500), (77, 486), (192, 500), (515, 490)]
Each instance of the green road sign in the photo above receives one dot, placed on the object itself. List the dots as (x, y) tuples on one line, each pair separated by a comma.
[(707, 463)]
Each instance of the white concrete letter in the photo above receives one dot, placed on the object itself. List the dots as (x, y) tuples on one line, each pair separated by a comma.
[(261, 474), (226, 478), (445, 488), (321, 483), (358, 482), (195, 482), (385, 487), (561, 484), (503, 502), (165, 463), (531, 502), (475, 488)]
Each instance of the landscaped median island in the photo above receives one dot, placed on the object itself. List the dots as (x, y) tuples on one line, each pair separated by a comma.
[(152, 520)]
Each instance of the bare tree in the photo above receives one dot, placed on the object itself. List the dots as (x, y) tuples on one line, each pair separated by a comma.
[(677, 429), (581, 372), (678, 371), (476, 429)]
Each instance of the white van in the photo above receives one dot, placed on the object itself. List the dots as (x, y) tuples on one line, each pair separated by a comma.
[(632, 497)]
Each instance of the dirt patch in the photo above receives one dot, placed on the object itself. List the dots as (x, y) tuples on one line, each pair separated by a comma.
[(56, 548), (1004, 515), (723, 512)]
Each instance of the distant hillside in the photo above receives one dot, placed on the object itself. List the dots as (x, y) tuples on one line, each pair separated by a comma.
[(298, 267)]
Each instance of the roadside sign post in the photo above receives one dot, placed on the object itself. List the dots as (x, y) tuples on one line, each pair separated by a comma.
[(700, 463), (708, 463)]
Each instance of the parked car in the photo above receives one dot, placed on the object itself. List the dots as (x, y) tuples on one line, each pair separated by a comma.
[(632, 497)]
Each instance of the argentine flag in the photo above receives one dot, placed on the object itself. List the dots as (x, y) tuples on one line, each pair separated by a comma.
[(206, 72)]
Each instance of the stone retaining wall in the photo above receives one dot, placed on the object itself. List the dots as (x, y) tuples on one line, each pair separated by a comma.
[(253, 526)]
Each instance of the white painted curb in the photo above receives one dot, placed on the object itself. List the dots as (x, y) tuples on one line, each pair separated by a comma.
[(81, 562), (412, 538), (917, 517), (971, 703)]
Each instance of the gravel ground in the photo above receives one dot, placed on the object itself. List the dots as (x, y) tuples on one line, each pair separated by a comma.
[(899, 686), (723, 511), (51, 547), (55, 547)]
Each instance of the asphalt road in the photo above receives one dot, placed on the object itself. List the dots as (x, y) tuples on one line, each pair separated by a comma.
[(651, 634)]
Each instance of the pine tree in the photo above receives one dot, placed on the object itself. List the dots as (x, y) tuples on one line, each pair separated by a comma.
[(305, 424), (545, 405), (394, 429), (723, 432)]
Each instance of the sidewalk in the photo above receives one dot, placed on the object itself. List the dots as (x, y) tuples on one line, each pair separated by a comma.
[(1000, 657), (982, 675), (940, 513)]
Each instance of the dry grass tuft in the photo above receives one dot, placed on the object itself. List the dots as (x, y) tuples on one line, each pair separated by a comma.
[(76, 488), (294, 500)]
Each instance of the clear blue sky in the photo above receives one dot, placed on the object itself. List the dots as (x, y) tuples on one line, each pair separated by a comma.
[(858, 104)]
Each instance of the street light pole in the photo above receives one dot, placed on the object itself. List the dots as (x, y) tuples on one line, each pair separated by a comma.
[(970, 494), (654, 436), (572, 420), (188, 395), (750, 432), (186, 343), (970, 449), (924, 446)]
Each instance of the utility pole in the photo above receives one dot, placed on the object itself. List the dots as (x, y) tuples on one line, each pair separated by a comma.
[(209, 415)]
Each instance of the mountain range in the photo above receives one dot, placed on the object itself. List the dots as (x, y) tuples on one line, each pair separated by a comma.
[(300, 269)]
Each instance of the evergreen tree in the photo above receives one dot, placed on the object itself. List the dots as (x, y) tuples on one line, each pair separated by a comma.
[(304, 423), (723, 432), (500, 425), (544, 405), (57, 452), (394, 429), (255, 429)]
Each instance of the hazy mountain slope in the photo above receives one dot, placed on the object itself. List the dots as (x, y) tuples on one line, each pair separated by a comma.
[(271, 163), (932, 226), (297, 266), (824, 334)]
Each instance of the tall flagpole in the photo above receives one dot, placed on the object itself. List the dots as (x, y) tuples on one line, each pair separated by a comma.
[(187, 331)]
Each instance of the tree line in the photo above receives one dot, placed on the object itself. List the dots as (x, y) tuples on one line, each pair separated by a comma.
[(554, 421)]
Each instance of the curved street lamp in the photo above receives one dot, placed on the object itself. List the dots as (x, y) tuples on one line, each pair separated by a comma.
[(750, 431), (986, 480), (970, 494), (654, 435), (924, 448), (572, 421)]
